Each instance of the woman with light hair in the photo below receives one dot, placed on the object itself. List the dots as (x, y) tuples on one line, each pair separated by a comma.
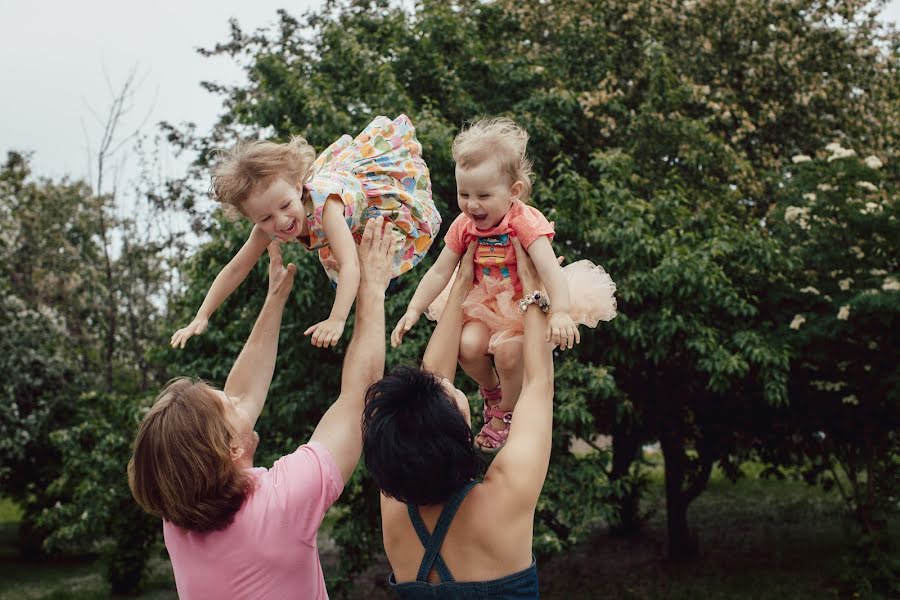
[(238, 531)]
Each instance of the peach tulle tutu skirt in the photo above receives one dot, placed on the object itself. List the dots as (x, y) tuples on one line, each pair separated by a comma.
[(494, 302)]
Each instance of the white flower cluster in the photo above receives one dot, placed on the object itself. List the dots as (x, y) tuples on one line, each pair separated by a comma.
[(810, 197), (873, 162), (838, 152), (810, 290), (824, 187), (845, 284), (797, 214), (828, 386), (867, 185), (891, 284), (800, 158), (857, 252), (870, 209), (851, 399), (797, 322), (844, 313)]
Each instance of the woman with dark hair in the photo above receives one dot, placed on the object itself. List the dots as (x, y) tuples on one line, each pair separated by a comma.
[(445, 534)]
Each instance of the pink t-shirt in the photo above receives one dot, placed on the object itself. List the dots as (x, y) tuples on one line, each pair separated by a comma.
[(269, 551), (495, 255)]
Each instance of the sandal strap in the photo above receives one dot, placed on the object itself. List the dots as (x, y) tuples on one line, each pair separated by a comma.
[(497, 437), (493, 395), (498, 413)]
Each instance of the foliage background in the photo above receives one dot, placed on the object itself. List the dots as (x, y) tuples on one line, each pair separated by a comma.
[(682, 145)]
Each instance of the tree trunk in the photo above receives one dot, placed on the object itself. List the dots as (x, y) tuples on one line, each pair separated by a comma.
[(685, 479), (626, 448), (682, 544)]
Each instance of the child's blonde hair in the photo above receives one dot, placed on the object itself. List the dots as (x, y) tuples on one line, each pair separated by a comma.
[(251, 166), (500, 139)]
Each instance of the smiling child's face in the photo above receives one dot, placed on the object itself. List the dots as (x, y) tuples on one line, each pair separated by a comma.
[(277, 209), (484, 194)]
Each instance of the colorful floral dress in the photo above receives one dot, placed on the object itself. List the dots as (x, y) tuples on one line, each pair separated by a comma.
[(380, 172)]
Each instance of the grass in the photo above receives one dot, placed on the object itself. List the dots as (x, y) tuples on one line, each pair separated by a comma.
[(759, 539), (63, 579)]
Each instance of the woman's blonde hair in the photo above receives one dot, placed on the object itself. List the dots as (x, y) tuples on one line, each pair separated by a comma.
[(252, 166), (181, 469), (499, 139)]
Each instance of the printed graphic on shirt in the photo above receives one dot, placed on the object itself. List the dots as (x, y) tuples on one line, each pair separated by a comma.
[(491, 255)]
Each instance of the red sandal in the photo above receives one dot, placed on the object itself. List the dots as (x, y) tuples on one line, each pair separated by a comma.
[(495, 439)]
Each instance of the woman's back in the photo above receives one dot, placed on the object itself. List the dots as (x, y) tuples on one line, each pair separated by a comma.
[(460, 550), (419, 448)]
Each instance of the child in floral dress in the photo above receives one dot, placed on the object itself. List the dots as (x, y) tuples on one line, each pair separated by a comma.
[(323, 204)]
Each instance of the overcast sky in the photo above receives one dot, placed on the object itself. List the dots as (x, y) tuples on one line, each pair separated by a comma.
[(52, 57)]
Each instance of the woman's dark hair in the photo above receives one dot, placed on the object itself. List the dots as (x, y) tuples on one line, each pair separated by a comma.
[(417, 444)]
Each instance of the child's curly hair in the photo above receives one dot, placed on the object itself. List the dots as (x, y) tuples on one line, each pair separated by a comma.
[(500, 139), (251, 166)]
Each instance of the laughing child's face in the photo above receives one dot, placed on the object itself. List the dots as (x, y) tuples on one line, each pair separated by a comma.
[(277, 209), (484, 195)]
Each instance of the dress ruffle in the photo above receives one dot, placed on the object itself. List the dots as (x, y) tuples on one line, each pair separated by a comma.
[(494, 302), (380, 172)]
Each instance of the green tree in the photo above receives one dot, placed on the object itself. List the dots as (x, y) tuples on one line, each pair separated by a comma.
[(54, 301), (837, 217), (659, 133)]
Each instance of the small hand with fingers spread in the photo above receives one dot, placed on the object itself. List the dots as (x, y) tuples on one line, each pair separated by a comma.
[(561, 329), (196, 327), (326, 333), (406, 322), (462, 283)]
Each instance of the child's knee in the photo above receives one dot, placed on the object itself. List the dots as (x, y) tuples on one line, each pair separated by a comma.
[(508, 357), (472, 344)]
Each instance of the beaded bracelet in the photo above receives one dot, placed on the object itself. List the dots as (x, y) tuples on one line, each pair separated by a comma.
[(537, 297)]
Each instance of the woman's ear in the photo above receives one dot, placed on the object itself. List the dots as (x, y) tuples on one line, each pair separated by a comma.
[(236, 452)]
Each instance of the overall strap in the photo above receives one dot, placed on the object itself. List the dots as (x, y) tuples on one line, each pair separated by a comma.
[(433, 541)]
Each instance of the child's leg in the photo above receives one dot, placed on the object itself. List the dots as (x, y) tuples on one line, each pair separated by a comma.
[(508, 362), (473, 355)]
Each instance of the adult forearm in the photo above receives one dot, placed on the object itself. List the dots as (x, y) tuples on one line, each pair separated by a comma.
[(364, 361), (443, 348), (252, 372), (536, 352)]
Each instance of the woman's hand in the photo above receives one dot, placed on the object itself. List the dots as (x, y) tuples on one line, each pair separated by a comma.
[(376, 253), (281, 278), (528, 274), (467, 264)]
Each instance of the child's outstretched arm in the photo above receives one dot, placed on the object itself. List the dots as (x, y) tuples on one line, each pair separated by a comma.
[(327, 333), (228, 279), (430, 287), (561, 329)]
